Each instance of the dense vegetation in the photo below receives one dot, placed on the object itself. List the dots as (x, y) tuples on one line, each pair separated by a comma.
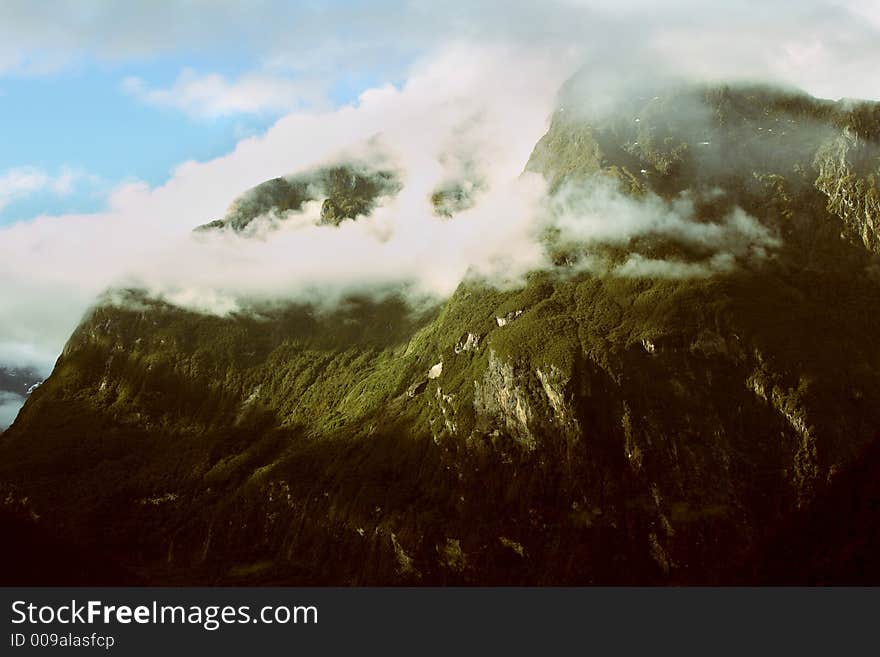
[(584, 428)]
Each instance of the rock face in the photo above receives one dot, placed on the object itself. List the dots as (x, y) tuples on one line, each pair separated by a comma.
[(501, 403), (346, 191), (606, 430), (849, 174)]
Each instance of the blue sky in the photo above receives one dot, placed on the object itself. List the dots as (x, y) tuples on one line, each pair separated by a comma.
[(105, 92), (83, 122)]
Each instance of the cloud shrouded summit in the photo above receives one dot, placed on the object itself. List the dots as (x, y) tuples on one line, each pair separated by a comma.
[(463, 101), (479, 81)]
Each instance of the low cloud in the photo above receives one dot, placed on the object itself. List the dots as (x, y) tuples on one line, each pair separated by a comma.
[(466, 118), (638, 266), (597, 212), (460, 118), (10, 404), (53, 268)]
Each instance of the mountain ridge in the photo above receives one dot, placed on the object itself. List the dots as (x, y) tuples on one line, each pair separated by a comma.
[(584, 428)]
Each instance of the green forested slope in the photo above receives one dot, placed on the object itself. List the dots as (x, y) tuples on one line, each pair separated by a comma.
[(586, 428)]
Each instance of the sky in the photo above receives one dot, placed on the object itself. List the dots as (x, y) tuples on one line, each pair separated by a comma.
[(95, 94), (124, 125)]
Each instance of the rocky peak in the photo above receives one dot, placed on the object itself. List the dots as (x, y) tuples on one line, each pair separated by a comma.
[(345, 190)]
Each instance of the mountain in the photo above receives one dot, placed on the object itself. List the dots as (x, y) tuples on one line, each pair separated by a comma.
[(584, 428), (346, 190)]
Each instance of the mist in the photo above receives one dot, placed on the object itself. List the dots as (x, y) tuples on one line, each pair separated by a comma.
[(10, 403), (463, 100), (466, 118), (459, 122)]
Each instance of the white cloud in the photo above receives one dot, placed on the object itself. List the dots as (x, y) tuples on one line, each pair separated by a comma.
[(638, 266), (748, 38), (212, 95), (52, 268), (597, 211), (867, 9), (461, 106), (21, 182)]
